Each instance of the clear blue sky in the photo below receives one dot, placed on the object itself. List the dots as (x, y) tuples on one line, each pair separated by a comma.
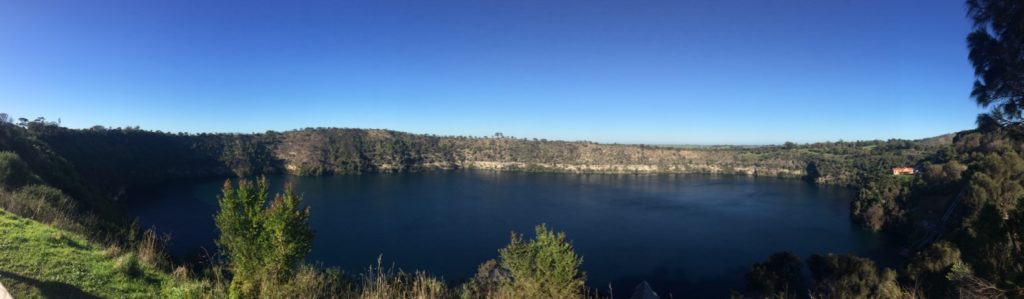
[(694, 72)]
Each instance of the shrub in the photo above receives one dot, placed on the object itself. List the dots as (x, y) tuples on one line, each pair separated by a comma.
[(929, 267), (779, 276), (51, 206), (967, 285), (879, 203), (850, 276), (14, 172), (489, 278), (262, 244), (545, 267), (843, 276)]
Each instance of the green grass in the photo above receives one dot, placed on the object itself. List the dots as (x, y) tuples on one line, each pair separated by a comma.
[(39, 261)]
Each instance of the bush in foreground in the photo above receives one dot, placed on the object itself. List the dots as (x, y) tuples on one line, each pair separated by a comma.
[(263, 244), (545, 267)]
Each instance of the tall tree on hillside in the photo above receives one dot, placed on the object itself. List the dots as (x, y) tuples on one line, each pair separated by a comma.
[(997, 53)]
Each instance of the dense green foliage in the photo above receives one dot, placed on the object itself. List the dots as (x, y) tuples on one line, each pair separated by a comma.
[(833, 276), (26, 189), (545, 267), (962, 214), (847, 276), (929, 268), (880, 202), (46, 166), (962, 211), (264, 245), (778, 277), (14, 172)]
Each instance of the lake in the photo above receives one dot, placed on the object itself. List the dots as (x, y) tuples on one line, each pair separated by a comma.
[(685, 234)]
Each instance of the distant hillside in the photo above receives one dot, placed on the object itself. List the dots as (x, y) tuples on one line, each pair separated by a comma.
[(113, 159), (941, 140)]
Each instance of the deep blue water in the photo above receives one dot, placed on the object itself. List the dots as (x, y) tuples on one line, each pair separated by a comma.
[(685, 234)]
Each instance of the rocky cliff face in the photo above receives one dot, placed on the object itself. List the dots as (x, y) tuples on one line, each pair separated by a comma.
[(332, 151), (325, 151), (631, 168)]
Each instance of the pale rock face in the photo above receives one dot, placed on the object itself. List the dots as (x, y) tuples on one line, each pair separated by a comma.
[(382, 151), (624, 168)]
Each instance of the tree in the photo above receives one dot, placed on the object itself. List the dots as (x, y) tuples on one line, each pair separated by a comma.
[(878, 202), (263, 244), (849, 276), (996, 179), (997, 52), (988, 247), (14, 172), (778, 277), (247, 156), (967, 285), (929, 268), (545, 267), (287, 227)]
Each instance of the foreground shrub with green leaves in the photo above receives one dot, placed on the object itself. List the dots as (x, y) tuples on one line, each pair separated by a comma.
[(544, 267), (264, 245)]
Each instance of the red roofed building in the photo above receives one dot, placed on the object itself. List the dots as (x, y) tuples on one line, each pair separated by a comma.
[(903, 170)]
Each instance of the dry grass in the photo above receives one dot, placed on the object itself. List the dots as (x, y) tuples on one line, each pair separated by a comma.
[(381, 283), (50, 206), (181, 273), (152, 249)]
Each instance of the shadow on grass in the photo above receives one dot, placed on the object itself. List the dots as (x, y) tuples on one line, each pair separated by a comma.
[(49, 289)]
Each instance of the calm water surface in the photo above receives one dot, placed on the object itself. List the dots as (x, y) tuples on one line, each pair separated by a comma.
[(685, 234)]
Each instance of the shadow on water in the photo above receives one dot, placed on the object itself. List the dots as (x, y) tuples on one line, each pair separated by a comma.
[(49, 289)]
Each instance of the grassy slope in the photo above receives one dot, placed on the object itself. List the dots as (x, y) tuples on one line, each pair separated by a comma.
[(37, 260)]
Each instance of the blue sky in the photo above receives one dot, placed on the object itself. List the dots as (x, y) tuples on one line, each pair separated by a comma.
[(693, 72)]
